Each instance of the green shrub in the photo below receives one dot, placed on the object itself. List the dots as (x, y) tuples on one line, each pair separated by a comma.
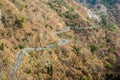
[(5, 62), (59, 2), (69, 36), (16, 47), (108, 40), (113, 27), (60, 35), (106, 22), (2, 46), (51, 5), (50, 70), (108, 66), (77, 50), (72, 9), (111, 50), (21, 6), (28, 71), (56, 3), (71, 15), (21, 46), (84, 78), (55, 44), (94, 48), (76, 40), (20, 21)]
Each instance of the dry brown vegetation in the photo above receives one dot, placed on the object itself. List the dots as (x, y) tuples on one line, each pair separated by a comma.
[(91, 54)]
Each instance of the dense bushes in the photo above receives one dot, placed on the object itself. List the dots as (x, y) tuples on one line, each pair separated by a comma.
[(107, 23), (20, 21), (113, 27), (94, 48), (71, 15)]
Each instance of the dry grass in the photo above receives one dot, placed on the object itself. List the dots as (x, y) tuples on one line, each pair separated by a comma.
[(73, 61)]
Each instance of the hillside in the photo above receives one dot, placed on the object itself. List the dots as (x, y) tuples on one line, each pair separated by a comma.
[(57, 40)]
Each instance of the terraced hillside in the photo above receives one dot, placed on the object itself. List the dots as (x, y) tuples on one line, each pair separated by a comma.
[(57, 40)]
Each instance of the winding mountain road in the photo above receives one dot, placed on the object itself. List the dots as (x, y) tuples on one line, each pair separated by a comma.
[(28, 50)]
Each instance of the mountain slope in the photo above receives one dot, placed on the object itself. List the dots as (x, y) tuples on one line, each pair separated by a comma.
[(91, 54)]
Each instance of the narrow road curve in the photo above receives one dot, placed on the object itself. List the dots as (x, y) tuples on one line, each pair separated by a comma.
[(27, 50)]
